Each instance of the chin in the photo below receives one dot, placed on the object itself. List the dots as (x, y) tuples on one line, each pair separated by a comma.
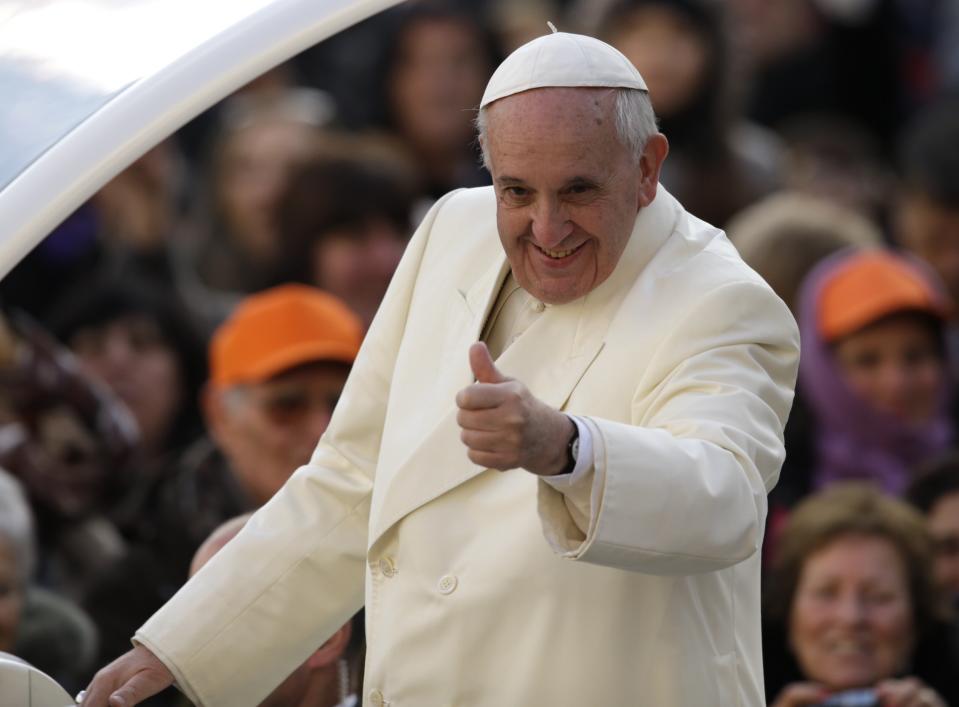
[(552, 291), (851, 679)]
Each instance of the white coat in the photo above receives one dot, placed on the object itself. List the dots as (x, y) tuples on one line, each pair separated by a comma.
[(639, 586)]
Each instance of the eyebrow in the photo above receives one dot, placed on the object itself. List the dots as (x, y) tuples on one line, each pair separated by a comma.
[(506, 180)]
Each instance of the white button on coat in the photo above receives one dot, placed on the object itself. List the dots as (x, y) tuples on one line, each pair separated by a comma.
[(376, 698), (539, 307), (447, 584), (387, 567)]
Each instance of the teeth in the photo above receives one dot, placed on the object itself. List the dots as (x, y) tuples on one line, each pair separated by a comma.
[(844, 647), (556, 254)]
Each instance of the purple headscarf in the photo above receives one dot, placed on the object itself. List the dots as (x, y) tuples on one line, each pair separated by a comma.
[(854, 440)]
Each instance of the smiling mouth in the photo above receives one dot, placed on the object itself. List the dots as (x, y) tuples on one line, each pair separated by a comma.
[(558, 254)]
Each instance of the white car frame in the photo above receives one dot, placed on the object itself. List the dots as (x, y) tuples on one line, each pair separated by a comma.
[(88, 86)]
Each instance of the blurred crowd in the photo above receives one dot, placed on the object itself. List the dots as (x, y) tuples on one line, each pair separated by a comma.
[(172, 352)]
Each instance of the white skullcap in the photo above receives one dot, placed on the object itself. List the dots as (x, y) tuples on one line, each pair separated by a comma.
[(558, 60)]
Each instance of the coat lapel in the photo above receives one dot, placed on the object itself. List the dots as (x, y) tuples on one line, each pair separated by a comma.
[(550, 358)]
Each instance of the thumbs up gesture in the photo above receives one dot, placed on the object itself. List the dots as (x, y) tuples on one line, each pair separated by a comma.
[(504, 426)]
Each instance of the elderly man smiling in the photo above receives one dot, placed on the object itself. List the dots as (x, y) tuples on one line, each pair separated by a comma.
[(596, 541)]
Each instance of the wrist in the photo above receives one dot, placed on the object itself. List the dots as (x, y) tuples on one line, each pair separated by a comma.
[(564, 459)]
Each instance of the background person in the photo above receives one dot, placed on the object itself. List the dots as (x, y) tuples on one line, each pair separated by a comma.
[(36, 624), (126, 331), (874, 374), (277, 367), (436, 60), (853, 602), (926, 214), (233, 247), (71, 444), (718, 163), (344, 222), (786, 234), (17, 558), (935, 492), (330, 676)]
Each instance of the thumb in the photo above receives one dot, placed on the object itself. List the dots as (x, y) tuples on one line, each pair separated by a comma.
[(481, 363)]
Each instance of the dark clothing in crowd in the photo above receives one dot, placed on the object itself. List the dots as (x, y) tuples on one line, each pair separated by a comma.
[(168, 518)]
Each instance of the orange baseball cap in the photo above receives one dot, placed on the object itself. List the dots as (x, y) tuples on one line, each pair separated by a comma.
[(281, 328), (870, 285)]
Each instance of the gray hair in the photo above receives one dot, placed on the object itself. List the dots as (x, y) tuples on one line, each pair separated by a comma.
[(16, 525), (633, 112)]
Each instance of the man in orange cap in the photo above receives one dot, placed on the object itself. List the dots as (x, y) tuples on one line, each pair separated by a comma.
[(277, 367)]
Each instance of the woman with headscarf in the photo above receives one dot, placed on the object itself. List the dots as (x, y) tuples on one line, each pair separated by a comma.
[(873, 372)]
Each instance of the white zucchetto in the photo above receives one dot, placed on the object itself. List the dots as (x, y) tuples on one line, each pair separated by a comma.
[(560, 60)]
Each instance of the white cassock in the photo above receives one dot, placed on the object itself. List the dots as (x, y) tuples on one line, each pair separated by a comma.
[(637, 584)]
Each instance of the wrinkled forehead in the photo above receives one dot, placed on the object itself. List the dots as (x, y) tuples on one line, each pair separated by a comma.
[(555, 124), (551, 101)]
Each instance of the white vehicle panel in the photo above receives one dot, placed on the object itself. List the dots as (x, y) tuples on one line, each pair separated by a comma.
[(90, 85)]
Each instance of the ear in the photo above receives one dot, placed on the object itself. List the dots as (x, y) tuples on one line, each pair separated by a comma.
[(331, 651), (650, 165)]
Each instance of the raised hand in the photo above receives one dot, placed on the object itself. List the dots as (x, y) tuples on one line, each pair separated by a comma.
[(505, 427), (908, 692)]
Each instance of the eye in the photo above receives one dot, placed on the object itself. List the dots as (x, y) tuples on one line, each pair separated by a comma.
[(880, 597), (866, 360), (919, 356), (580, 189), (516, 192), (824, 592), (286, 405)]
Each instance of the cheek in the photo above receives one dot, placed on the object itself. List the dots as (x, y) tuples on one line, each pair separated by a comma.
[(807, 621), (333, 265), (893, 627), (511, 224), (690, 64), (96, 366), (895, 622), (11, 606), (162, 366), (867, 382), (612, 237), (236, 197), (930, 379), (163, 372)]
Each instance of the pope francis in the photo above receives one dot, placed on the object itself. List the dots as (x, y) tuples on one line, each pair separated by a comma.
[(546, 478)]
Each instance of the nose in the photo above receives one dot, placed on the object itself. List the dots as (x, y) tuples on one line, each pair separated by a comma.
[(851, 610), (117, 350), (896, 382), (551, 224)]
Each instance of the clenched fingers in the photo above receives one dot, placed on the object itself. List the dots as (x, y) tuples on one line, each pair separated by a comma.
[(482, 441), (486, 420), (484, 396)]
